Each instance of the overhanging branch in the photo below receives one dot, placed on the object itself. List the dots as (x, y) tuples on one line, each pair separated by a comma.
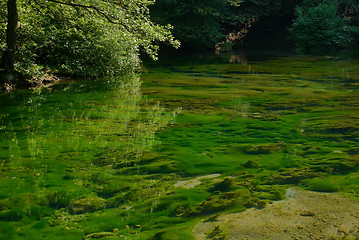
[(99, 11)]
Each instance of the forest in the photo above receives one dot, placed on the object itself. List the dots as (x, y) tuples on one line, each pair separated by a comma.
[(106, 38)]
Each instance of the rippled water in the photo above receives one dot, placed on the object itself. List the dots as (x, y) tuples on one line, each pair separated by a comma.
[(202, 135)]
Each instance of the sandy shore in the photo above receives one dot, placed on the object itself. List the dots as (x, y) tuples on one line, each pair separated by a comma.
[(302, 215)]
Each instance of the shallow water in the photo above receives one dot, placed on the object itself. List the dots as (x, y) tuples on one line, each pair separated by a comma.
[(107, 159)]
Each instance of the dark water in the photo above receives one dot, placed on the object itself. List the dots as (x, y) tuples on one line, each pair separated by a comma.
[(203, 135)]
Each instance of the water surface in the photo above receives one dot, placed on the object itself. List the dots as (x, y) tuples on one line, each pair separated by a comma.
[(202, 135)]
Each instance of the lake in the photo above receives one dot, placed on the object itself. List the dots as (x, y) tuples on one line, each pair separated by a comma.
[(148, 157)]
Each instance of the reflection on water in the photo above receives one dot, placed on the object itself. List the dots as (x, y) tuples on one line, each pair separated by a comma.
[(77, 118), (238, 58), (60, 145)]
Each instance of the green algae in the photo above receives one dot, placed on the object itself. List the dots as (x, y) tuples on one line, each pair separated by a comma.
[(93, 160), (268, 124)]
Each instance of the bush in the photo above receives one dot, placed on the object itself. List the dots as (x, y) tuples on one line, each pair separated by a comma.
[(320, 29)]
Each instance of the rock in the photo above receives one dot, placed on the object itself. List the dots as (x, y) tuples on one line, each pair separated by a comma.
[(307, 214), (227, 184)]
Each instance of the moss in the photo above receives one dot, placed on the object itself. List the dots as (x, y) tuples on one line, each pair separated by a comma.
[(226, 185), (321, 185), (159, 168), (40, 225), (39, 212), (263, 148), (4, 205), (256, 203), (58, 199), (100, 235), (115, 201), (270, 192), (172, 234), (89, 204), (8, 231), (218, 202), (212, 218), (291, 176), (251, 164), (179, 210), (111, 187), (15, 214), (217, 233)]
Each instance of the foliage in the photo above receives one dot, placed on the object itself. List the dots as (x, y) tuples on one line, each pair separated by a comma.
[(2, 24), (85, 38), (321, 29), (202, 24), (197, 23)]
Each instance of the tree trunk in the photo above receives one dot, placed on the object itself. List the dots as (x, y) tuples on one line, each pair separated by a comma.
[(8, 58)]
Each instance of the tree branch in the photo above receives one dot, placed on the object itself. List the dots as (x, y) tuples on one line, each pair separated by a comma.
[(44, 6), (99, 11)]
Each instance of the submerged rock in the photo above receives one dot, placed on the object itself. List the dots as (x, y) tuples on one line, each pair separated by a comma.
[(227, 184), (263, 148), (100, 235), (251, 164), (86, 205), (292, 176), (215, 203)]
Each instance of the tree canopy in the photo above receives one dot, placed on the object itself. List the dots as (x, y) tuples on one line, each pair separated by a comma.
[(323, 27), (82, 37)]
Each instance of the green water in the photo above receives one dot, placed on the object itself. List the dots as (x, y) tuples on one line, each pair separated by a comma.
[(202, 136)]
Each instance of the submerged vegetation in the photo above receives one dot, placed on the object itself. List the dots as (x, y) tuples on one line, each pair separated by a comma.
[(86, 160)]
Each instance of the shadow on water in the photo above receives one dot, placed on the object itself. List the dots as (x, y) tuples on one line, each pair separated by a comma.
[(103, 159)]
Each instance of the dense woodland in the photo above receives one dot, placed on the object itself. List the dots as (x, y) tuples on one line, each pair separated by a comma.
[(93, 38)]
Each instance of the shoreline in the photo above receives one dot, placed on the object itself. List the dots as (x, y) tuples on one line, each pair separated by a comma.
[(302, 215)]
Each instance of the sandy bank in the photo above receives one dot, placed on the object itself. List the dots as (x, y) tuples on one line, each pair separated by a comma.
[(302, 215)]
